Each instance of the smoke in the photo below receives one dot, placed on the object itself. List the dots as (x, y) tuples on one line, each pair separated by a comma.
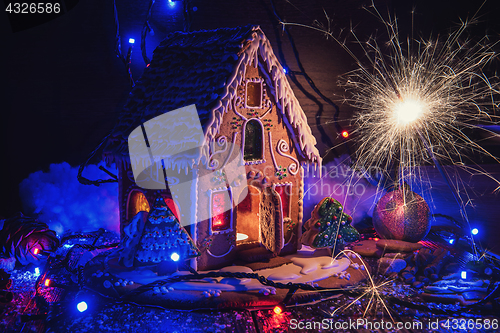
[(58, 199), (339, 181)]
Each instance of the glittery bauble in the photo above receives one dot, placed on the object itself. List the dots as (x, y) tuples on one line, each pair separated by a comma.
[(402, 215)]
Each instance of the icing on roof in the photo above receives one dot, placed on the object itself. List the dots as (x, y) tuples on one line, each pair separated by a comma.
[(205, 68)]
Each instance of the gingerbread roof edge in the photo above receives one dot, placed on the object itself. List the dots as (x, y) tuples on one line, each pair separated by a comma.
[(204, 68)]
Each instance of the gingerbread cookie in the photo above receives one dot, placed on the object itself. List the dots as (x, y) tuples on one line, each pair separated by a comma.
[(398, 245), (367, 248)]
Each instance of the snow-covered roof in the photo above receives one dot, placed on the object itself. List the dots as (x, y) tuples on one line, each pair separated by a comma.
[(205, 68)]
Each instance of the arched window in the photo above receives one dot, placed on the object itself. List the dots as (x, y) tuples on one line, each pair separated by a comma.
[(253, 149), (137, 202), (222, 212)]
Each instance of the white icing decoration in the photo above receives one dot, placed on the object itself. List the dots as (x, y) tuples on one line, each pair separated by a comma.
[(289, 240), (234, 281), (283, 276), (236, 269), (222, 255), (282, 148), (212, 162), (272, 151), (235, 101), (268, 110), (283, 93)]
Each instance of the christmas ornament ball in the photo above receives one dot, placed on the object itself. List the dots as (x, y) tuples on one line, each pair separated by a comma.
[(402, 215)]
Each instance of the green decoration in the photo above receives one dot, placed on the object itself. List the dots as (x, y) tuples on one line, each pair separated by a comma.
[(219, 177), (281, 173), (326, 220)]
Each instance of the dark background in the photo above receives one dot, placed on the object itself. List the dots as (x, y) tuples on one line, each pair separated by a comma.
[(64, 85)]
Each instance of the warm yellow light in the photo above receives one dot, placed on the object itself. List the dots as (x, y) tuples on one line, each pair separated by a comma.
[(407, 111), (240, 236)]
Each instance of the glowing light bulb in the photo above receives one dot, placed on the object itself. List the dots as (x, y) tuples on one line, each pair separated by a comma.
[(407, 111), (36, 251), (345, 134), (171, 3), (474, 231), (285, 70), (37, 271), (463, 275), (47, 282), (82, 306), (175, 257), (277, 310), (451, 241), (131, 40)]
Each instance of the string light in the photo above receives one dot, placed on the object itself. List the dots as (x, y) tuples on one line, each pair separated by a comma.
[(175, 256), (345, 134), (131, 40), (278, 310), (463, 275), (474, 231), (82, 306), (47, 282)]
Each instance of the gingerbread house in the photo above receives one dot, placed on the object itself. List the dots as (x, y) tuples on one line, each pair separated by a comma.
[(242, 96)]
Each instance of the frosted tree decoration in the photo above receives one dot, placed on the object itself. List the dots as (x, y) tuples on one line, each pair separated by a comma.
[(164, 241), (329, 227)]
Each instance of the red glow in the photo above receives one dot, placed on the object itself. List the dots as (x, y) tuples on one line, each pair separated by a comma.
[(36, 251), (47, 282), (221, 219), (345, 134), (277, 310), (376, 239)]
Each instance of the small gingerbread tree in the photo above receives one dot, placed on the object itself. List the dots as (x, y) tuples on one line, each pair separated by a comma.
[(329, 227), (164, 241)]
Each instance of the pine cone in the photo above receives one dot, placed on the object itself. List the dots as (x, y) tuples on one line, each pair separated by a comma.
[(22, 236)]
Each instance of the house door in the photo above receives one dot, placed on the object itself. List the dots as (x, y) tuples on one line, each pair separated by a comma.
[(247, 217), (271, 230)]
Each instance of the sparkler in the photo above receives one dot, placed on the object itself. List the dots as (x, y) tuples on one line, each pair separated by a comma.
[(416, 99), (415, 102), (372, 291)]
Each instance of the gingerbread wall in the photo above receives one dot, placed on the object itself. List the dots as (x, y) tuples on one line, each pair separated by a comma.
[(279, 166)]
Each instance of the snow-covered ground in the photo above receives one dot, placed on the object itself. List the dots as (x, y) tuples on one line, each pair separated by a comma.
[(306, 267)]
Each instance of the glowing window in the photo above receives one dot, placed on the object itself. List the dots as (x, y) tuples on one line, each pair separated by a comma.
[(137, 202), (221, 211), (285, 192), (253, 141), (254, 94)]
